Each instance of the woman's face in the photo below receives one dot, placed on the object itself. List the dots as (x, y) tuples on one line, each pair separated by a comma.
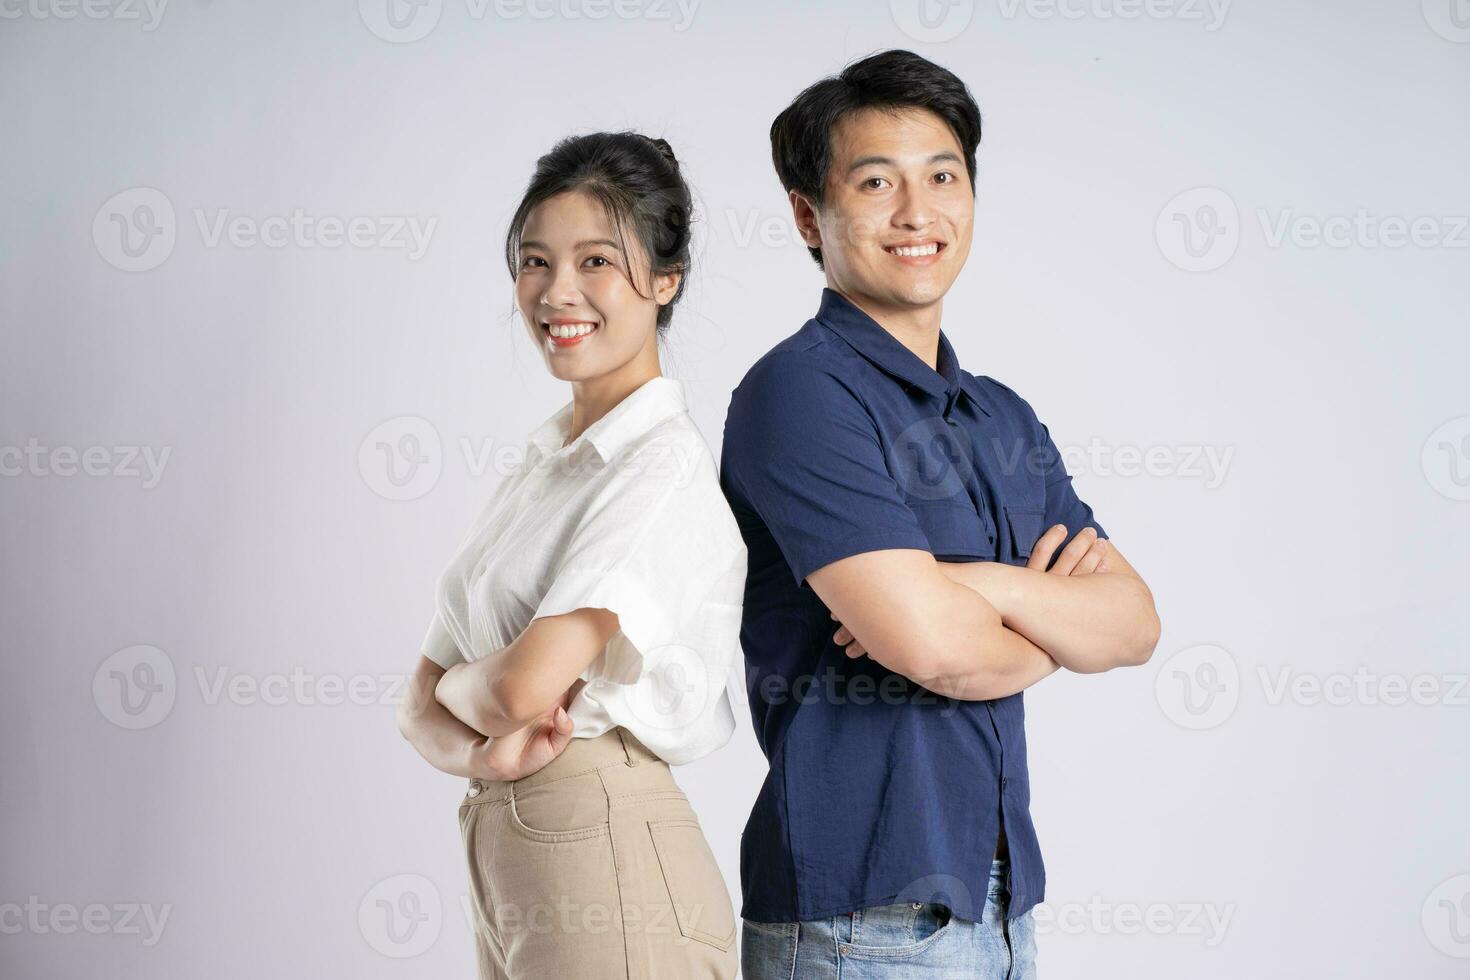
[(575, 290)]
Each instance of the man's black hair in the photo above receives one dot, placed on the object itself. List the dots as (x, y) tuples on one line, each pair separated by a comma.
[(895, 80)]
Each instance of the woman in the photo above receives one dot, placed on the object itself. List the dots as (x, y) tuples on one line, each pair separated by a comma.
[(586, 626)]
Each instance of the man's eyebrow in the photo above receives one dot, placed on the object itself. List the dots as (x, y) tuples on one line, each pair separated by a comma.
[(533, 243), (944, 156)]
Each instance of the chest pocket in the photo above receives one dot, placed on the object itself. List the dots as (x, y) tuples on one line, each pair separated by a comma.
[(1023, 504), (955, 531)]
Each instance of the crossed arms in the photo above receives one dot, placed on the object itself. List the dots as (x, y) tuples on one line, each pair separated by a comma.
[(982, 630)]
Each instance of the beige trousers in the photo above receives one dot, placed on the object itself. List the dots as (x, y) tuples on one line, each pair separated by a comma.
[(595, 867)]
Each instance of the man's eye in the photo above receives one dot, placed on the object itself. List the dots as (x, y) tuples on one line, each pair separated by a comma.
[(875, 182), (949, 178)]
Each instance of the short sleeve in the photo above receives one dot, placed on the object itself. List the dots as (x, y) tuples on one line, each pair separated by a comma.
[(439, 646), (652, 548), (1063, 506), (802, 452)]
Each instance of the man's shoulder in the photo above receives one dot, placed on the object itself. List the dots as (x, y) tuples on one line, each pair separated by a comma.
[(997, 396), (805, 359)]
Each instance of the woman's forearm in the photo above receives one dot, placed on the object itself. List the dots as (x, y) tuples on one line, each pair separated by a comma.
[(445, 742)]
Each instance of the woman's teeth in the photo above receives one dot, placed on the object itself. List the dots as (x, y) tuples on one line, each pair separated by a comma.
[(565, 330)]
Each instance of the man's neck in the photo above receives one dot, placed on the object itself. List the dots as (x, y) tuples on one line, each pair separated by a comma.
[(916, 327)]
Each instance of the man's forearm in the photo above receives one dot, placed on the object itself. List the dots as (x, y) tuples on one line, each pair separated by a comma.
[(1003, 664), (1086, 623)]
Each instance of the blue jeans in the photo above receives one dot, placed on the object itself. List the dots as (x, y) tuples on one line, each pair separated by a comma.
[(907, 941)]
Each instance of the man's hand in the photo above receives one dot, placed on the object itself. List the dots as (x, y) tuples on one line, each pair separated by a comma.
[(528, 749), (1086, 554)]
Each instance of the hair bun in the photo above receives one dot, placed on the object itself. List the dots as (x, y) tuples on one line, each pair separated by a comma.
[(666, 151)]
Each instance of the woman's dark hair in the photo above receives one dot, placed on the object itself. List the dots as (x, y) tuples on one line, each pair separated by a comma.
[(801, 136), (638, 183)]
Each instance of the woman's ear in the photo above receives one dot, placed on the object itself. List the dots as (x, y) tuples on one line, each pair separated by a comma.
[(665, 285)]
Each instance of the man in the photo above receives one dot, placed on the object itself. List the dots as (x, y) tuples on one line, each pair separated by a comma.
[(917, 558)]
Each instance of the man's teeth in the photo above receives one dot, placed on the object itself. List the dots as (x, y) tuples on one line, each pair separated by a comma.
[(915, 250), (565, 330)]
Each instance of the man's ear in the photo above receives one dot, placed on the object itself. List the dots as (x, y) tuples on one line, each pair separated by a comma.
[(806, 220)]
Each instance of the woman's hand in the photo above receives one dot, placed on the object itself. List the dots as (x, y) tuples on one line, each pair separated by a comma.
[(528, 749)]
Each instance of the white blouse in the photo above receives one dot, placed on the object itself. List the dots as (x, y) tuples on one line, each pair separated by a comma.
[(629, 517)]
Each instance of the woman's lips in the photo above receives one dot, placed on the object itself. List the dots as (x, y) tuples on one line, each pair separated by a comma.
[(575, 332)]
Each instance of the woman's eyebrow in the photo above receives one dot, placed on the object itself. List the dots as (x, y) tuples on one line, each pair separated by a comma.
[(533, 243)]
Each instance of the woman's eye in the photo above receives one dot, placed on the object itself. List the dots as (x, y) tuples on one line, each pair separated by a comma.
[(532, 262), (597, 261)]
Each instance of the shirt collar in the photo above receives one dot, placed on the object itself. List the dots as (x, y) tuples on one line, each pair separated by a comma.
[(869, 339), (643, 408)]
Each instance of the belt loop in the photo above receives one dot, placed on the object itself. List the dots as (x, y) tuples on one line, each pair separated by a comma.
[(623, 741)]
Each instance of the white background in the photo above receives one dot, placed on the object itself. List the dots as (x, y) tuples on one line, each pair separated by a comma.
[(1198, 819)]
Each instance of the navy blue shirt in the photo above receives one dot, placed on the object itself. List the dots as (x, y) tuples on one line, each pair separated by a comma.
[(839, 441)]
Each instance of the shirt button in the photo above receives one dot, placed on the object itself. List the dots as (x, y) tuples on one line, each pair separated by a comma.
[(916, 905), (474, 789)]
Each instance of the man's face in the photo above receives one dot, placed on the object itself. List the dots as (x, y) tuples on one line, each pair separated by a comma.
[(899, 212)]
